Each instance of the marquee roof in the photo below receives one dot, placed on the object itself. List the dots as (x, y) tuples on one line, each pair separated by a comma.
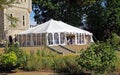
[(53, 26)]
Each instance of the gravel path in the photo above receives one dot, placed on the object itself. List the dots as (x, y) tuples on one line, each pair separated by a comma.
[(31, 73)]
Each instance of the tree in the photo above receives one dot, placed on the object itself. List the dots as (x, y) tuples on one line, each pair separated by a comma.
[(69, 11), (102, 15), (13, 21), (104, 18), (8, 61), (113, 16)]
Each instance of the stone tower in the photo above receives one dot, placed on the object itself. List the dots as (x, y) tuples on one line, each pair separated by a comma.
[(20, 9)]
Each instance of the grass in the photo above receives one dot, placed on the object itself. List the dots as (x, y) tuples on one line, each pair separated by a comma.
[(76, 47), (34, 49), (29, 49)]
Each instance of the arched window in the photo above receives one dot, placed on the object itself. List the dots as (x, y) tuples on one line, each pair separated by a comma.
[(50, 39), (62, 38), (56, 38), (78, 38), (34, 39), (39, 39)]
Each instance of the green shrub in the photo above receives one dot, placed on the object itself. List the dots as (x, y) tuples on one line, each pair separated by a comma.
[(22, 58), (115, 39), (38, 61), (72, 65), (14, 47), (47, 63), (33, 63), (98, 58), (67, 64), (21, 55), (59, 64), (45, 53), (8, 61)]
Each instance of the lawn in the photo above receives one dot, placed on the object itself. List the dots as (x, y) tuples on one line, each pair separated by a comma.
[(76, 48), (28, 49)]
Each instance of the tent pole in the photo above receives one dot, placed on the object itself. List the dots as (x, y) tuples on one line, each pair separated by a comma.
[(84, 39), (18, 38), (46, 39), (91, 39), (41, 39), (80, 38), (36, 38), (26, 40), (21, 40), (30, 39), (53, 38), (75, 38), (59, 38), (65, 35)]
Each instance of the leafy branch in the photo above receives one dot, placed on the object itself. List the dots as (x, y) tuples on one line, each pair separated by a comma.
[(13, 20), (4, 3)]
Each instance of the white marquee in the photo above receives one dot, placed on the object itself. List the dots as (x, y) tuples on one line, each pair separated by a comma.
[(54, 32)]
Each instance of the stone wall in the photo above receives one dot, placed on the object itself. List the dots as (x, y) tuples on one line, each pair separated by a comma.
[(22, 15), (1, 24), (21, 10)]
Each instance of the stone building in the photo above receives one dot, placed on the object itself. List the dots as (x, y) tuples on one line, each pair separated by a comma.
[(20, 9)]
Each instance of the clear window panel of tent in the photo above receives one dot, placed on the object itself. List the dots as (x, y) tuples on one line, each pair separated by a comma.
[(50, 39), (62, 38), (56, 38), (24, 40), (28, 39)]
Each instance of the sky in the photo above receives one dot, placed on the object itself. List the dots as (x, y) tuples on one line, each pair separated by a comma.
[(32, 22)]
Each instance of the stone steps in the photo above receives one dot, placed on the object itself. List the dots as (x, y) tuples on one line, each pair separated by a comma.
[(61, 50)]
